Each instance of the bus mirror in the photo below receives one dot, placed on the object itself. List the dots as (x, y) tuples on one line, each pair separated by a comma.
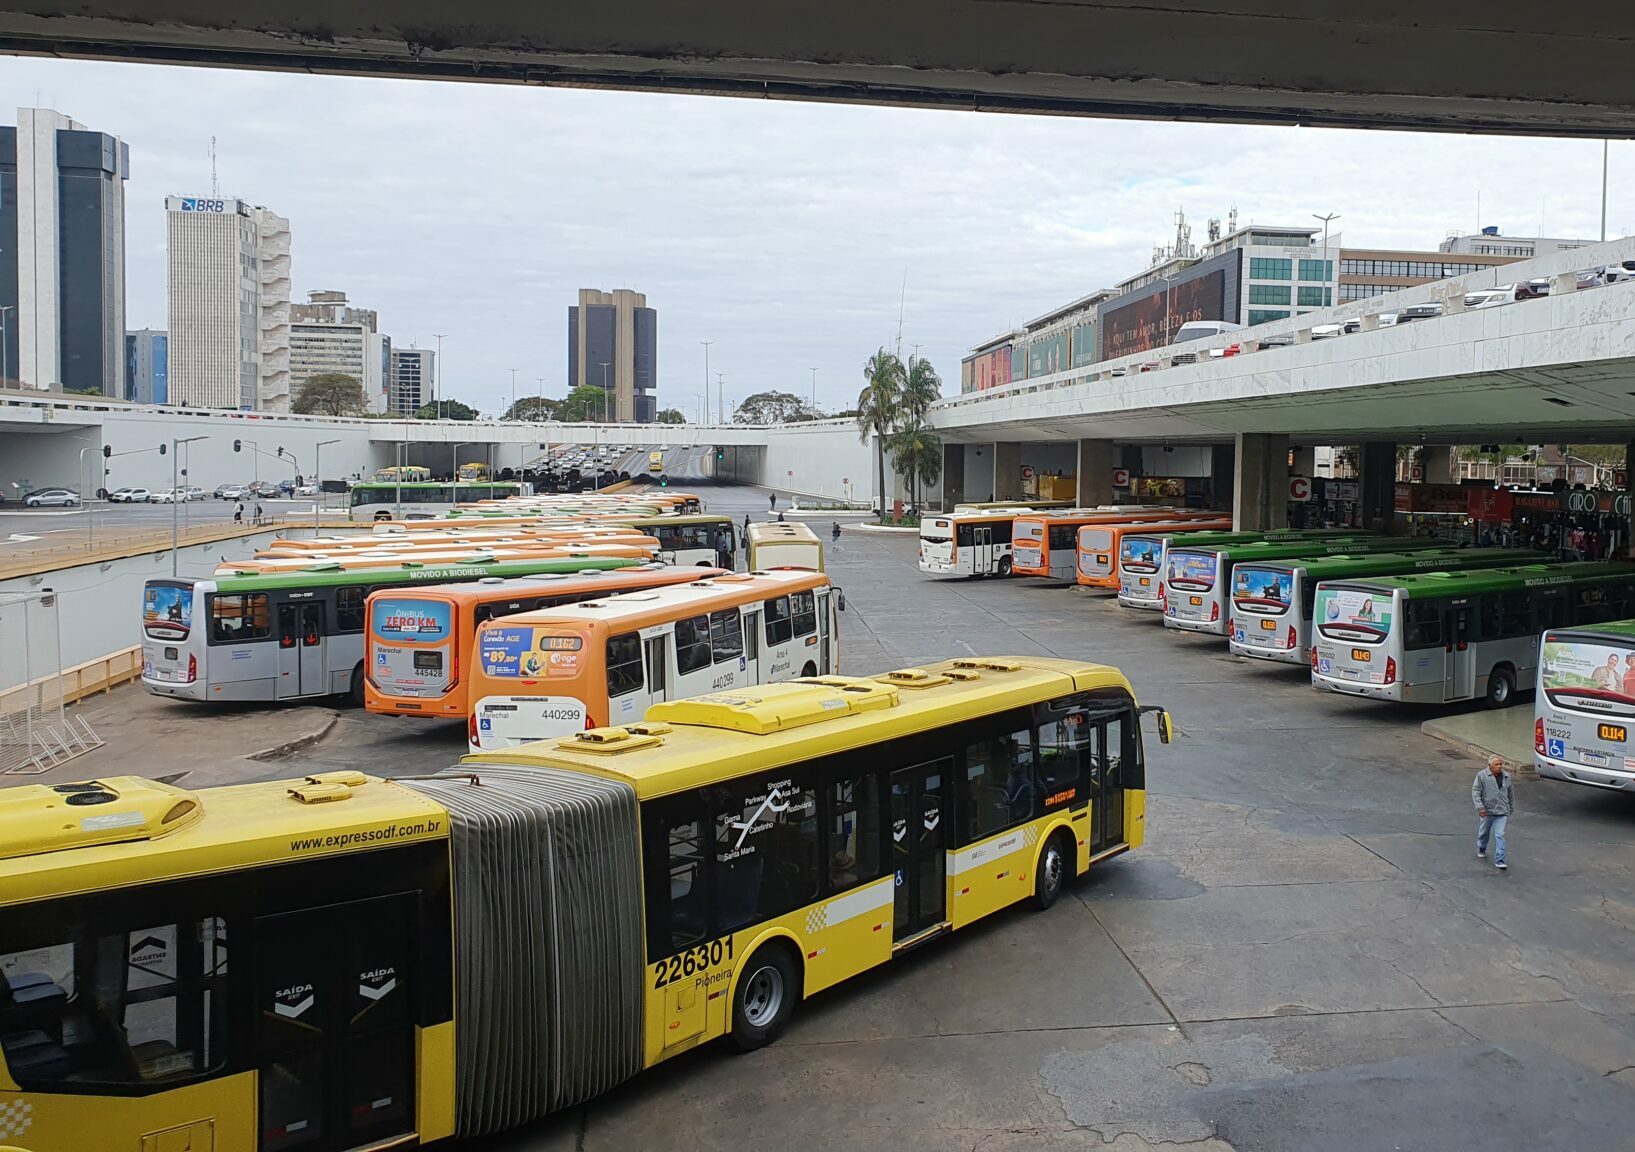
[(840, 599), (1166, 727)]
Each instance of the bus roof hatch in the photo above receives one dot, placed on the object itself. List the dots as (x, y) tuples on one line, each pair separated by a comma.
[(39, 818), (772, 708)]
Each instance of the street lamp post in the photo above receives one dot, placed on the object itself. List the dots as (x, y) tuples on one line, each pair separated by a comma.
[(706, 344), (90, 514), (5, 351), (318, 482), (720, 398), (437, 388), (513, 393), (604, 364), (1327, 220), (814, 392), (175, 525)]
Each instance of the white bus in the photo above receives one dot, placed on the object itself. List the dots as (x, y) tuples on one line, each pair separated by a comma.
[(1585, 706), (417, 500), (976, 543), (786, 545)]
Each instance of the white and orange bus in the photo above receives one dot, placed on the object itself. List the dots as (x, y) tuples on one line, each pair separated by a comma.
[(1100, 546), (566, 535), (418, 648), (541, 675), (1044, 544), (432, 557)]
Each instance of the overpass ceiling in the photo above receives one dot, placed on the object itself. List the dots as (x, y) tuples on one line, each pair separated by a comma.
[(1480, 65)]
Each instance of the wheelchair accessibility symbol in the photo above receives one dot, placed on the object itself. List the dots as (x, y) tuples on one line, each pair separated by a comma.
[(1556, 749)]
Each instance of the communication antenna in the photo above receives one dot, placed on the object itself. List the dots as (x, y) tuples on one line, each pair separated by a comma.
[(215, 189), (902, 306)]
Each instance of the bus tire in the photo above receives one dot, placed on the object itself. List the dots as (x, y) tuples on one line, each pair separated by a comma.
[(764, 1000), (1005, 566), (1054, 865), (379, 516), (809, 670), (1501, 686), (355, 693)]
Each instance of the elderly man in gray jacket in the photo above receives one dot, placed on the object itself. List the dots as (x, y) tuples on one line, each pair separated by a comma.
[(1495, 802)]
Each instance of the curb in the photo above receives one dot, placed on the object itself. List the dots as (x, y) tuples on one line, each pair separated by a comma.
[(1522, 769), (879, 530), (291, 747)]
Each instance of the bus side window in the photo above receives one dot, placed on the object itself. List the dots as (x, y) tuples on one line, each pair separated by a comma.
[(854, 831), (349, 609), (726, 634), (1064, 746), (779, 627), (624, 664), (677, 900), (237, 618), (692, 644), (997, 789), (1424, 625), (766, 848), (803, 607)]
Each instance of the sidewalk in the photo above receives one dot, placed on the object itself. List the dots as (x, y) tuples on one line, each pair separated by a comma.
[(206, 745), (1506, 732)]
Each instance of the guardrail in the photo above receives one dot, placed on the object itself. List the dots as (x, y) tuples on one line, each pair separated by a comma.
[(23, 561), (74, 684)]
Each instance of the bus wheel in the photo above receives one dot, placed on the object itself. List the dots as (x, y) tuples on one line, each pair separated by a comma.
[(356, 693), (765, 999), (809, 670), (1052, 877), (379, 516), (1005, 566), (1501, 686)]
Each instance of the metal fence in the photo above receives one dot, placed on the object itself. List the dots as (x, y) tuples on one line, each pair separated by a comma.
[(37, 732)]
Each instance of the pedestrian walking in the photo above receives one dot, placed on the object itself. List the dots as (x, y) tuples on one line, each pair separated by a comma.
[(238, 512), (1495, 802), (772, 501), (259, 515), (834, 533)]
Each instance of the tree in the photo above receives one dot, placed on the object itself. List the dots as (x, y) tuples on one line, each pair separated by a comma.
[(917, 454), (446, 410), (587, 402), (877, 407), (922, 387), (773, 408), (329, 394), (670, 416), (534, 408)]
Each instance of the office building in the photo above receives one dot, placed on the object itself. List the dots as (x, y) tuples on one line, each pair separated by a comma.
[(327, 334), (1368, 272), (613, 344), (62, 254), (228, 296), (1488, 242), (414, 380), (147, 367)]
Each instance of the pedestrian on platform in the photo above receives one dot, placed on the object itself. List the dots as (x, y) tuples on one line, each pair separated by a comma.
[(834, 533), (771, 501), (1495, 802), (238, 512)]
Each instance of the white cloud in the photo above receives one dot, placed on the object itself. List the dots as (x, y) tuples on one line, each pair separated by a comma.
[(781, 231)]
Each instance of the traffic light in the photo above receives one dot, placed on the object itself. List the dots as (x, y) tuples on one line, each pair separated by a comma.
[(664, 481), (107, 451), (720, 455), (238, 445)]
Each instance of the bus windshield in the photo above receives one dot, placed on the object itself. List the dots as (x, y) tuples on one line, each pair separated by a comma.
[(1589, 674), (167, 609), (1264, 590), (1095, 539), (1362, 615)]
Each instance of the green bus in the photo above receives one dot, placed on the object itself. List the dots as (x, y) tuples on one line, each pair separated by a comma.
[(1272, 600), (425, 500), (1141, 556), (1585, 706), (1462, 635), (289, 635)]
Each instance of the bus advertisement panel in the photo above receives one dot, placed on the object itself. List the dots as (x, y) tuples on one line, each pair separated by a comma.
[(412, 646), (1585, 707), (1354, 614), (167, 610)]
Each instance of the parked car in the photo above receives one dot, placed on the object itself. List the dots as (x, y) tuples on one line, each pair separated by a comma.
[(287, 487), (261, 488), (194, 492), (307, 490), (232, 491), (51, 498), (129, 496), (170, 496), (1281, 340), (1420, 312)]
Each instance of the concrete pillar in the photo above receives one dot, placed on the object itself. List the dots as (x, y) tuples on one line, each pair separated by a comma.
[(1377, 486), (1305, 462), (1629, 490), (1437, 463), (1260, 489), (953, 475), (1007, 470), (1222, 462), (1097, 459)]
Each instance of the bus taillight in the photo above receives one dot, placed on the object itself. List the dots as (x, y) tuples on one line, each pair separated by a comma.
[(471, 729), (1292, 637), (1538, 735), (1390, 670), (1314, 659), (192, 667), (1214, 611)]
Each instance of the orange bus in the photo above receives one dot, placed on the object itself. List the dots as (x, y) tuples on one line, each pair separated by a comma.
[(418, 640), (1100, 546), (1043, 544), (568, 535), (324, 562), (541, 675)]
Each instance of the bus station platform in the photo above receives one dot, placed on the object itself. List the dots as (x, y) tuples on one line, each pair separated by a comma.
[(1505, 732)]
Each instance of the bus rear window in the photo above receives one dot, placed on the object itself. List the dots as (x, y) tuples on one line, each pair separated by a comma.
[(1095, 539), (1029, 530), (1192, 569), (1355, 614), (1061, 536), (1264, 590), (1141, 553), (1586, 675), (167, 610), (937, 530)]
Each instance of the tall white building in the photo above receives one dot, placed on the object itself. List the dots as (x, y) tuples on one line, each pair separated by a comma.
[(414, 380), (328, 335), (1488, 242), (62, 254), (229, 282)]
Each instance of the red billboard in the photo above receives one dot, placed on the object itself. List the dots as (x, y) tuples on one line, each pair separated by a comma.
[(1139, 325), (991, 369)]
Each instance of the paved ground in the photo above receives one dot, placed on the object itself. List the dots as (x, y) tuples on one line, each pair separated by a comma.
[(1304, 956)]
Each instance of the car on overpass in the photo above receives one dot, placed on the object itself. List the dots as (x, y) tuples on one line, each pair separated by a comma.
[(129, 496), (232, 491), (51, 498), (169, 496)]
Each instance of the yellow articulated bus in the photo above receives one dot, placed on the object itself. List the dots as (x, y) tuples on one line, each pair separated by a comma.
[(343, 962)]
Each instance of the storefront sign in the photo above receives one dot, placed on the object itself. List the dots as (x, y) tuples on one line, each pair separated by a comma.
[(1431, 498)]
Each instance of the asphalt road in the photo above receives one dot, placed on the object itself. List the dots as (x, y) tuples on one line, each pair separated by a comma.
[(1304, 956)]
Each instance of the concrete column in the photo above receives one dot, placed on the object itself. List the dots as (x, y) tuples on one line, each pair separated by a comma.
[(1377, 486), (1305, 462), (953, 475), (1260, 490), (1629, 490), (1097, 459), (1438, 464), (1007, 470), (1222, 462)]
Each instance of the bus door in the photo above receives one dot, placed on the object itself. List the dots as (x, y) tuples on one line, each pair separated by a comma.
[(826, 631), (752, 643), (1107, 786), (981, 550), (656, 656), (919, 840), (301, 650), (1459, 667), (334, 1034)]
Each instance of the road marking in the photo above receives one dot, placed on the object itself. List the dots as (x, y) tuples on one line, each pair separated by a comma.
[(18, 538)]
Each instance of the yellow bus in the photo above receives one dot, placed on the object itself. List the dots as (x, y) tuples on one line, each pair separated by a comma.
[(343, 962), (655, 461), (787, 545), (402, 473), (472, 470)]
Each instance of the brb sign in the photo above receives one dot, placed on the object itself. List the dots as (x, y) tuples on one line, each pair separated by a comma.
[(199, 204)]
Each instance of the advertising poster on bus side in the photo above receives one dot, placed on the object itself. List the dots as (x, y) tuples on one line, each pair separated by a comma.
[(1192, 569), (1591, 677)]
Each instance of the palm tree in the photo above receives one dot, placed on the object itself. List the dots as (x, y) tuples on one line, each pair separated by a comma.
[(922, 387), (877, 408), (917, 454)]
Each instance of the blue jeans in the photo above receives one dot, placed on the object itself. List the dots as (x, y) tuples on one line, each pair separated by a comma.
[(1495, 825)]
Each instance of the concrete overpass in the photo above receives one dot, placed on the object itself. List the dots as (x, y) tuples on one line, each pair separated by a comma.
[(1491, 66)]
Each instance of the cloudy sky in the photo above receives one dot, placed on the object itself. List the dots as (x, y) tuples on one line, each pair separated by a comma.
[(782, 232)]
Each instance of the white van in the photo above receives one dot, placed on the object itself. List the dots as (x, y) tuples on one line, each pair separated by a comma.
[(1198, 329)]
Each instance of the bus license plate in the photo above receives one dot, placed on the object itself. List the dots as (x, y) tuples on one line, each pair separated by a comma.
[(1268, 625), (1361, 655), (1196, 601), (1146, 583), (1614, 732)]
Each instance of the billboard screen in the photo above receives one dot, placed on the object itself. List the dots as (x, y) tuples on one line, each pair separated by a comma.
[(1084, 345), (1139, 325), (1047, 354), (991, 369)]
